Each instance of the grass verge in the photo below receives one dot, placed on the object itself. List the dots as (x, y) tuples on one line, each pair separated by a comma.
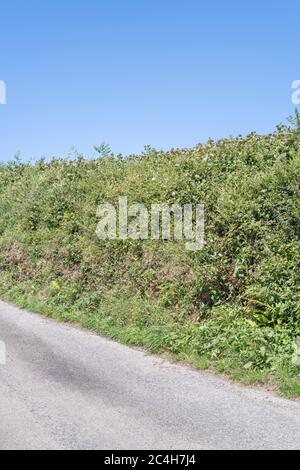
[(181, 344)]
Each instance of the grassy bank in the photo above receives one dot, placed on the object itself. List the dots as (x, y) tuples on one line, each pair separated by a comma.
[(233, 306)]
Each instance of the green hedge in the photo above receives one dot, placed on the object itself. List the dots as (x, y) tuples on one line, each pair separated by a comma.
[(234, 306)]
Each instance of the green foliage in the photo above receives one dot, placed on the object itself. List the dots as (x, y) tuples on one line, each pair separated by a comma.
[(103, 150), (295, 123), (234, 306)]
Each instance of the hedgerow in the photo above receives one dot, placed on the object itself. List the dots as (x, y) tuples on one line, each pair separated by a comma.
[(233, 306)]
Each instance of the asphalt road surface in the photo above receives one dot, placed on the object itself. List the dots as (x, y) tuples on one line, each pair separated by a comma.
[(64, 388)]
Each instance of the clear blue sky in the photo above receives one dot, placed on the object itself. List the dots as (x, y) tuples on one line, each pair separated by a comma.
[(166, 73)]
